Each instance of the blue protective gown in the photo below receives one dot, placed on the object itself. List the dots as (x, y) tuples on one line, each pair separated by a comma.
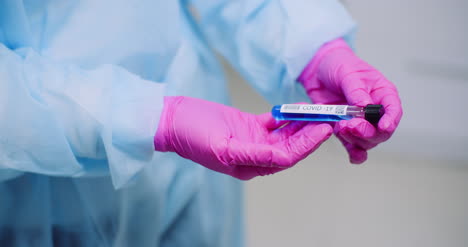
[(81, 89)]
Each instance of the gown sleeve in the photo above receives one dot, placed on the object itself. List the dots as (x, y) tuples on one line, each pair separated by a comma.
[(61, 120), (271, 41)]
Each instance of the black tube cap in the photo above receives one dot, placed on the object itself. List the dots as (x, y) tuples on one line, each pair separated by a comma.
[(373, 113)]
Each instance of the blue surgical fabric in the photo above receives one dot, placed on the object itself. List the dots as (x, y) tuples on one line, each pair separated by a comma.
[(81, 93)]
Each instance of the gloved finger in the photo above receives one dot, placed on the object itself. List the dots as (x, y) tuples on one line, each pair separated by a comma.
[(249, 172), (290, 129), (346, 135), (358, 127), (255, 154), (386, 94), (269, 122), (363, 143), (356, 155), (355, 90), (307, 140), (362, 130), (393, 113)]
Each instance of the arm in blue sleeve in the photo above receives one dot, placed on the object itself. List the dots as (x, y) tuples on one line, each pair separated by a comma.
[(61, 120), (271, 41)]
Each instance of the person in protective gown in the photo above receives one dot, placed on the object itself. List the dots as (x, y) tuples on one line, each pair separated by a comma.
[(115, 129)]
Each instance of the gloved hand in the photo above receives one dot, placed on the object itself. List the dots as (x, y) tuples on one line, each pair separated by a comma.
[(236, 143), (337, 76)]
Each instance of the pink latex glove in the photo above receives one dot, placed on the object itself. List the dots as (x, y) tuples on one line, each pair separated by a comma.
[(232, 142), (337, 76)]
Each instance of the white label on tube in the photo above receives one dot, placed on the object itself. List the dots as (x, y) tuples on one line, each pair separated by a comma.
[(314, 109)]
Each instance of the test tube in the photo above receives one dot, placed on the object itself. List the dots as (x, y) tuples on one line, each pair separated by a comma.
[(310, 112)]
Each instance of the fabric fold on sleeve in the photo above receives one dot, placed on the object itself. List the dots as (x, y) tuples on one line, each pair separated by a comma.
[(270, 42), (61, 120)]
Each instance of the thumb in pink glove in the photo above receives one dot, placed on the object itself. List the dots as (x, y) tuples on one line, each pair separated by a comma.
[(232, 142), (337, 76)]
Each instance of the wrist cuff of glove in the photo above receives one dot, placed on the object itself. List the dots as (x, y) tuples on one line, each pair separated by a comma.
[(311, 68), (162, 137)]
